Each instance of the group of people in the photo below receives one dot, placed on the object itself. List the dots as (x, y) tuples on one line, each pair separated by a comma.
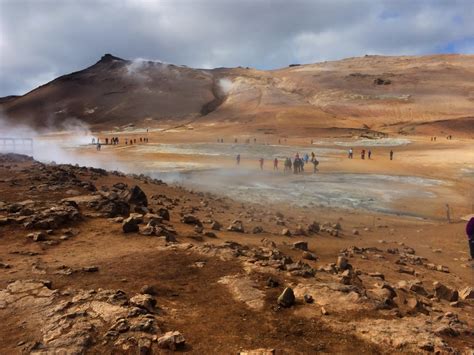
[(296, 165), (115, 140), (350, 154)]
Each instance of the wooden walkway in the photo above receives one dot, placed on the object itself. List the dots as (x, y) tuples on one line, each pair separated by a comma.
[(16, 145)]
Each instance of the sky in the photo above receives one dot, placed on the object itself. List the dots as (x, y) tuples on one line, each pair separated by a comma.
[(43, 39)]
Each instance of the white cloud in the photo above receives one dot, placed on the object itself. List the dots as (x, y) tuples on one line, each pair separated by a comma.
[(38, 38)]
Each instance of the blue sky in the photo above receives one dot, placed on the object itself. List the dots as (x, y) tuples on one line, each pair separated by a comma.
[(42, 39)]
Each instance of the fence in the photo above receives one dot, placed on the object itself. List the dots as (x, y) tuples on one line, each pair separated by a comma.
[(16, 145)]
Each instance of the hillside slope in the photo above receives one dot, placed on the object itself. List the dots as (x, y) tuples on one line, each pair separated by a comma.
[(377, 92)]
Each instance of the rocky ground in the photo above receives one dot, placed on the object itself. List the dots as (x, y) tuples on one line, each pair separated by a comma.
[(96, 261)]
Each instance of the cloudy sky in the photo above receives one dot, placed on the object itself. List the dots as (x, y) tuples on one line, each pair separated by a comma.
[(42, 39)]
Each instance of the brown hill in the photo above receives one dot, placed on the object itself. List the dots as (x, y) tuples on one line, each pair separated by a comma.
[(376, 92)]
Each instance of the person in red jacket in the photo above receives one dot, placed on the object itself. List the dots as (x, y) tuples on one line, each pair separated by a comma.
[(470, 236)]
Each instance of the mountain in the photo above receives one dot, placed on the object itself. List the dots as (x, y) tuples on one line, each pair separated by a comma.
[(403, 94)]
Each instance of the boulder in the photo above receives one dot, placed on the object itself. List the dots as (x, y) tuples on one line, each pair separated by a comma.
[(301, 245), (171, 340), (216, 226), (444, 292), (236, 226), (164, 213), (467, 293), (342, 263), (313, 227), (130, 225), (144, 301), (137, 197), (257, 230), (287, 298), (190, 219), (309, 256)]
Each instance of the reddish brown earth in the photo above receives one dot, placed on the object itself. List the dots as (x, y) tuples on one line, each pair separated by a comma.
[(213, 317)]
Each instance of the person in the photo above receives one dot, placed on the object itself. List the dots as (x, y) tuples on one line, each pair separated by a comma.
[(279, 141), (93, 140), (351, 153), (261, 163), (238, 159), (470, 236), (391, 154), (275, 164), (98, 146), (306, 158), (362, 154), (126, 140), (315, 165), (313, 156), (369, 153)]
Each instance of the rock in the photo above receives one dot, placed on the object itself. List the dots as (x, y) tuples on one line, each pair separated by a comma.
[(342, 263), (149, 290), (267, 243), (313, 227), (308, 298), (300, 245), (257, 230), (130, 225), (171, 340), (164, 213), (324, 312), (38, 236), (355, 232), (190, 219), (286, 232), (444, 292), (144, 301), (260, 351), (309, 256), (92, 268), (287, 298), (148, 230), (210, 235), (216, 226), (198, 229), (271, 282), (137, 197), (467, 293), (152, 219), (406, 270), (236, 226), (418, 288), (144, 346), (377, 274)]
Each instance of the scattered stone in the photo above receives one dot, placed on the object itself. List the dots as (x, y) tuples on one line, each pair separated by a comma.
[(444, 292), (324, 312), (467, 293), (300, 245), (286, 232), (216, 226), (236, 226), (342, 263), (144, 301), (257, 230), (271, 282), (287, 298), (210, 235), (130, 225), (406, 270), (308, 298), (92, 268), (355, 232), (171, 340), (309, 256), (190, 219), (149, 290)]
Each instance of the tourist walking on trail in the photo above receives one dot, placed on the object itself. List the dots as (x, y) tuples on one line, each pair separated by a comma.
[(362, 154), (351, 153), (275, 164), (98, 146), (369, 154), (261, 163), (391, 154), (315, 165), (238, 159), (313, 156), (470, 236)]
